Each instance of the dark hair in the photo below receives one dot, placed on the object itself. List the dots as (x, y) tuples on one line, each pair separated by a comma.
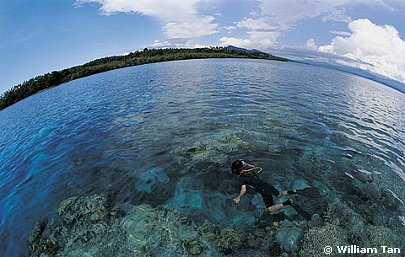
[(236, 167)]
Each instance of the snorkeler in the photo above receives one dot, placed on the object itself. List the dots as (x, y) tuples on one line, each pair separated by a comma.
[(249, 178)]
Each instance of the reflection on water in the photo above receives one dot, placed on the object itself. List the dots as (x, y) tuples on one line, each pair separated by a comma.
[(165, 134)]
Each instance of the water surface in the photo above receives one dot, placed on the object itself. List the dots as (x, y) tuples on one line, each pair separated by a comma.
[(166, 133)]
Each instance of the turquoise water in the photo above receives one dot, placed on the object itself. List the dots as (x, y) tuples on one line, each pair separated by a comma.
[(166, 133)]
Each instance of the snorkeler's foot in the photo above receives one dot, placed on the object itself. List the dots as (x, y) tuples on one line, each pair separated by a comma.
[(292, 192), (283, 193), (309, 192), (288, 202)]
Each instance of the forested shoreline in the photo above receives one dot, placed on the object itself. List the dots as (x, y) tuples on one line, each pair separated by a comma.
[(55, 78)]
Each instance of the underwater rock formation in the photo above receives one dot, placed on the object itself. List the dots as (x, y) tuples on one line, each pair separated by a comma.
[(190, 196), (317, 238), (94, 226), (149, 179), (212, 149), (342, 226), (289, 236), (91, 226)]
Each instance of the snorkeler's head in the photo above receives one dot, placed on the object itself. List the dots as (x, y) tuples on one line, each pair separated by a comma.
[(237, 167)]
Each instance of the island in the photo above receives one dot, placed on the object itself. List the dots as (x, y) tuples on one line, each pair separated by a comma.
[(56, 78)]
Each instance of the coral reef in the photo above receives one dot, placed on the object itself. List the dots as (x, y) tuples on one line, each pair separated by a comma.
[(149, 179), (289, 236), (342, 226), (317, 238), (93, 226), (230, 241), (190, 196), (212, 149), (90, 226)]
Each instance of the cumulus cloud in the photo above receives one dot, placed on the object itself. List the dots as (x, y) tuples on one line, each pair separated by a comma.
[(336, 14), (160, 8), (311, 45), (176, 43), (255, 24), (341, 33), (287, 13), (240, 42), (196, 27), (376, 48), (161, 44), (260, 34), (181, 17), (274, 18), (255, 39), (278, 16)]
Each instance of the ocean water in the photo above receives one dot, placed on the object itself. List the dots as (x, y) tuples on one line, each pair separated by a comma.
[(166, 133)]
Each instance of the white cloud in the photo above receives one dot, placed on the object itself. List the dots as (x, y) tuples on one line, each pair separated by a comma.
[(341, 33), (181, 17), (264, 38), (230, 27), (176, 43), (255, 24), (275, 17), (197, 27), (160, 8), (311, 45), (161, 44), (240, 42), (336, 14), (376, 48), (287, 13), (256, 39)]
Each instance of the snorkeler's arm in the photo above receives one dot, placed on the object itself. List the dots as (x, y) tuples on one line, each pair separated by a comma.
[(250, 165), (241, 193)]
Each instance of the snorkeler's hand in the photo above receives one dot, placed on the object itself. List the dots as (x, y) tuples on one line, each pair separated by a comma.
[(237, 199)]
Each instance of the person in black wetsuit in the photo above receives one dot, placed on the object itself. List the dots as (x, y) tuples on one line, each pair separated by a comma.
[(251, 179)]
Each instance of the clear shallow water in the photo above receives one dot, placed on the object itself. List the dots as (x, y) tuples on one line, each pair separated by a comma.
[(165, 134)]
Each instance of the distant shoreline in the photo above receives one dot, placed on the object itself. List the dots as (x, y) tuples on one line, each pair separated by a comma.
[(55, 78)]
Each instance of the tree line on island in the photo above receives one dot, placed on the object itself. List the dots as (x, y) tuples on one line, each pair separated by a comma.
[(55, 78)]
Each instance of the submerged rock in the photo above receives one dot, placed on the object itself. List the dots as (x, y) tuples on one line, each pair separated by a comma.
[(289, 237), (90, 226), (257, 201), (230, 241), (187, 196), (342, 226), (317, 238), (212, 149), (148, 180), (190, 196), (315, 221)]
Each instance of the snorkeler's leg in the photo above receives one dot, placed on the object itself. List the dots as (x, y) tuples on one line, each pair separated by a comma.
[(277, 207), (277, 193), (287, 192), (282, 193), (274, 191)]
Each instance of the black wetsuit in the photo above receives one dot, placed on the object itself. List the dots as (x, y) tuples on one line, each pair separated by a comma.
[(266, 190)]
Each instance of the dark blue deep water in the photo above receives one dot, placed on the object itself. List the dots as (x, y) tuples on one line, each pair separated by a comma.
[(166, 133)]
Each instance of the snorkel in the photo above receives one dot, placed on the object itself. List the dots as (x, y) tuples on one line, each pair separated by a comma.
[(238, 168)]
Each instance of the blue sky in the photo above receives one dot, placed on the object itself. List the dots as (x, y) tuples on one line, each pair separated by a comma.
[(39, 36)]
